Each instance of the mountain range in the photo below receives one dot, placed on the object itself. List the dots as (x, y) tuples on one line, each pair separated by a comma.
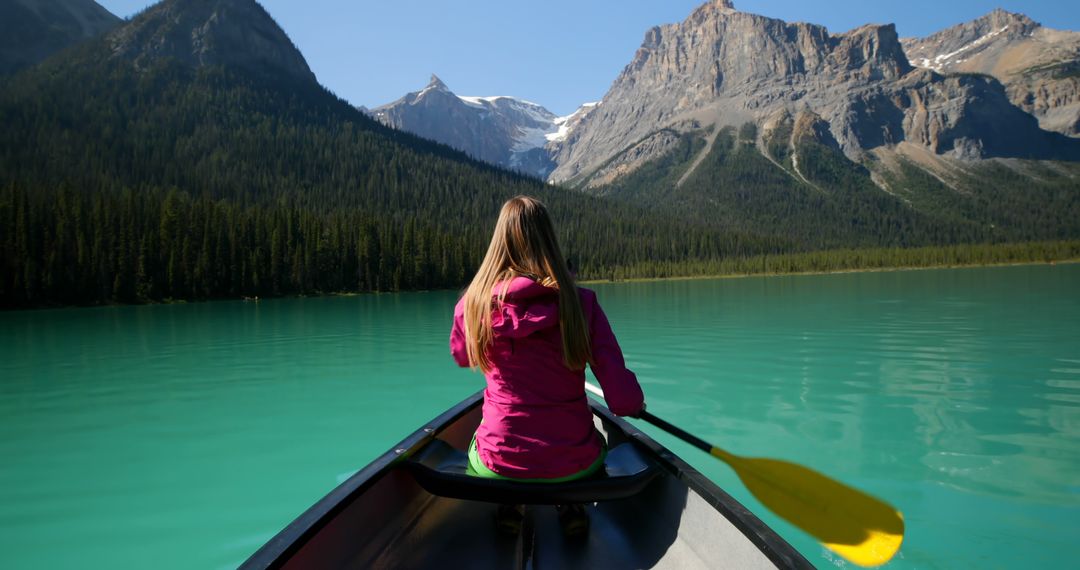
[(966, 93), (1039, 66), (203, 33), (505, 131), (191, 153)]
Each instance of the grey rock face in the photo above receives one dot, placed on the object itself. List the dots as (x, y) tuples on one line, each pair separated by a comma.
[(968, 117), (1039, 67), (723, 67), (237, 33), (32, 30), (504, 131)]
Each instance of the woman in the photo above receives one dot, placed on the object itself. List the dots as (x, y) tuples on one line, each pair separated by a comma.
[(524, 323)]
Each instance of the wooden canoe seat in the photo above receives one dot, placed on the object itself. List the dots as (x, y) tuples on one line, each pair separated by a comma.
[(442, 470)]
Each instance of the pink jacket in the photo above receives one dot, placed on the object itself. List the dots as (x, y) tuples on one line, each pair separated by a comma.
[(537, 422)]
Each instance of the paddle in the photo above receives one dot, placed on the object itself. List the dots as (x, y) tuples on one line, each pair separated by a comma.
[(858, 527)]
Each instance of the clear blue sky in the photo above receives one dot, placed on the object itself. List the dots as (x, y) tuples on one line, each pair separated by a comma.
[(557, 53)]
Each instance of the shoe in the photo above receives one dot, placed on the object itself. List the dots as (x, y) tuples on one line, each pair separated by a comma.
[(508, 519), (574, 520)]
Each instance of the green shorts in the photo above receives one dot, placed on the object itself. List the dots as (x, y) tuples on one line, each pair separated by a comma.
[(478, 469)]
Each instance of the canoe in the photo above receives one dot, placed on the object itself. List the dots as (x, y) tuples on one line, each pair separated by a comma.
[(416, 507)]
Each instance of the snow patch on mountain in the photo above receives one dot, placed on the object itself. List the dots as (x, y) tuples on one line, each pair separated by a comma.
[(472, 100), (529, 138), (567, 123), (938, 62)]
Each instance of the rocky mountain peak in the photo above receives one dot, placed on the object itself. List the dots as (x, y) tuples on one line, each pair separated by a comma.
[(1018, 24), (874, 49), (855, 91), (436, 83), (726, 49), (501, 130), (723, 6), (725, 66), (1037, 65), (996, 27), (238, 33)]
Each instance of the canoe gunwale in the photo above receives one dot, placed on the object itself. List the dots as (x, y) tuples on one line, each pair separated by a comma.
[(775, 548), (280, 549)]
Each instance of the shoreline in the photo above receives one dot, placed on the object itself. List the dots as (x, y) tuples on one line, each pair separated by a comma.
[(256, 300), (1069, 261)]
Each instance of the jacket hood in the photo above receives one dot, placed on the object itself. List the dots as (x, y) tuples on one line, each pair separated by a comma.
[(527, 308), (521, 288)]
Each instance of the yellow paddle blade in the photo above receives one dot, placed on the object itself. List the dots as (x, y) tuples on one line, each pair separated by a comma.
[(857, 526)]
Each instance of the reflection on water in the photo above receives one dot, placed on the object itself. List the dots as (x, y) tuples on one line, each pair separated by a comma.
[(954, 394), (185, 436)]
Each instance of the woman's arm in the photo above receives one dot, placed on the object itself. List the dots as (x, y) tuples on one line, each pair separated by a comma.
[(621, 389), (457, 336)]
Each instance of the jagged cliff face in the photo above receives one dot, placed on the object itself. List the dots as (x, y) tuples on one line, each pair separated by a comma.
[(32, 30), (724, 67), (1039, 67), (237, 33), (504, 131)]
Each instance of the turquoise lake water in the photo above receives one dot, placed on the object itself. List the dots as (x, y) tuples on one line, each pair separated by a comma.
[(185, 436)]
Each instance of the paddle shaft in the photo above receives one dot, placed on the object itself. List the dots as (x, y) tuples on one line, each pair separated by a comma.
[(677, 432)]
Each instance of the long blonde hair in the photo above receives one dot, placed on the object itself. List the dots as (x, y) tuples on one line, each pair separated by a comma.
[(523, 244)]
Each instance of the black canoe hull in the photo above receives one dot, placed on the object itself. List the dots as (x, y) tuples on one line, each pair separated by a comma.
[(381, 517)]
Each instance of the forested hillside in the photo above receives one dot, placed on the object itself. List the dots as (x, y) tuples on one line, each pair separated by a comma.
[(175, 182), (807, 193)]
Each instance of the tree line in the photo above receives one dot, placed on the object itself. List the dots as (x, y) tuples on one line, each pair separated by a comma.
[(74, 248), (168, 182), (65, 246), (837, 260)]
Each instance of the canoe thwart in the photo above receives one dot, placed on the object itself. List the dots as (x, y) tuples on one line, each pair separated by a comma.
[(442, 470)]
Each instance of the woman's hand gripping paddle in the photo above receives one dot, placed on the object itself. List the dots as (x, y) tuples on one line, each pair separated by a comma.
[(858, 527)]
